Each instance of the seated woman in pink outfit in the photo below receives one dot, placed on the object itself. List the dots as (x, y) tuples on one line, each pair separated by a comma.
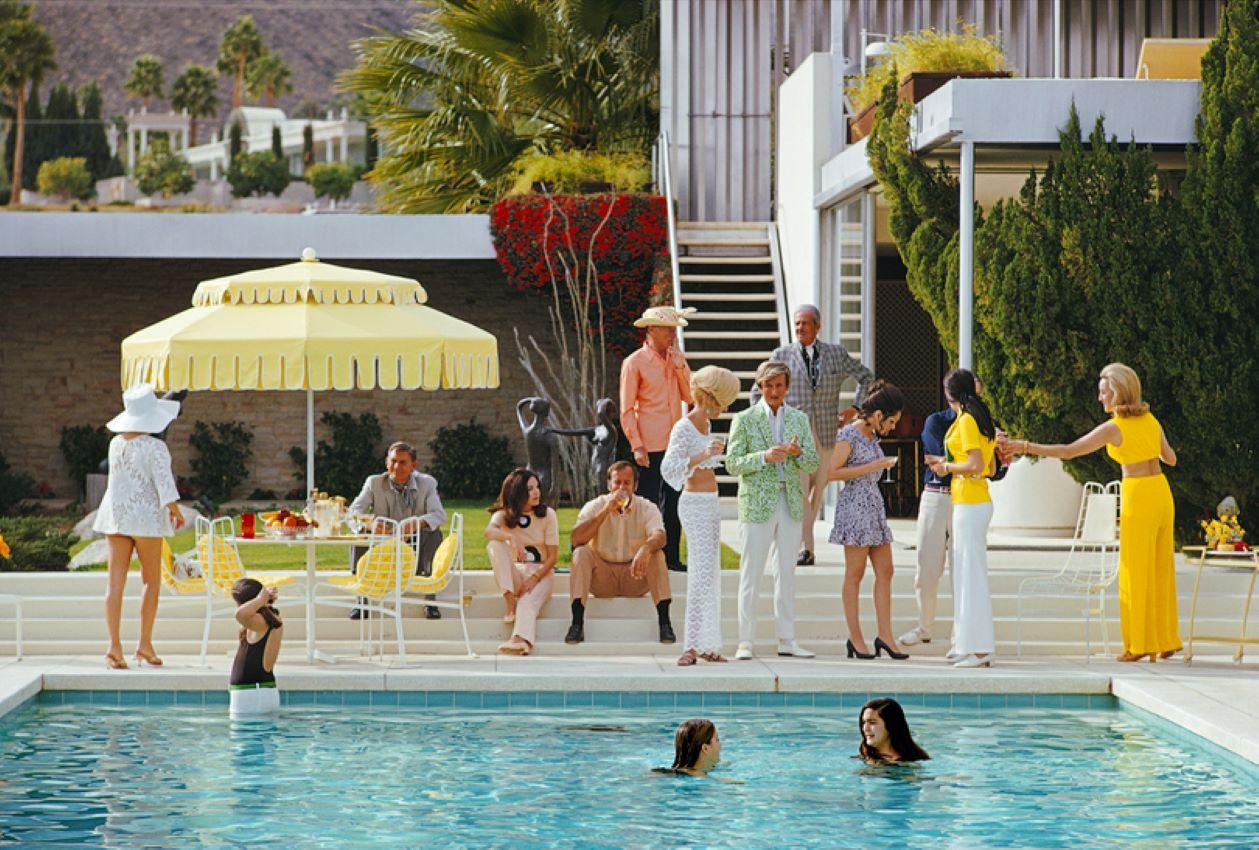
[(524, 543)]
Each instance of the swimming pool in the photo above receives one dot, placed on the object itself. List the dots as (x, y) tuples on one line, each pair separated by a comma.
[(573, 770)]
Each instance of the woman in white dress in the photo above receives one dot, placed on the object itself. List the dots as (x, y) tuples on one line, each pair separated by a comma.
[(689, 466), (139, 509)]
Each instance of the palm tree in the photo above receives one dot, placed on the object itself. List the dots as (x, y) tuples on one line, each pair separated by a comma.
[(146, 80), (474, 86), (268, 77), (241, 44), (196, 91), (26, 54)]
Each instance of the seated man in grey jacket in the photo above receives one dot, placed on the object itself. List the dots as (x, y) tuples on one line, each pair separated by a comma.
[(399, 493)]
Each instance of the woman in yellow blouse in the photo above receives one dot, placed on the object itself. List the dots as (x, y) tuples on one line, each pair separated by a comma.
[(1147, 565), (970, 443)]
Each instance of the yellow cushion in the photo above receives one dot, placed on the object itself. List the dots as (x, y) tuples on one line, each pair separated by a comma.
[(174, 582), (377, 571), (269, 580), (443, 560), (224, 566), (343, 581)]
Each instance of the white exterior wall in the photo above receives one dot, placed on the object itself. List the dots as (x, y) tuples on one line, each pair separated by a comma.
[(805, 101)]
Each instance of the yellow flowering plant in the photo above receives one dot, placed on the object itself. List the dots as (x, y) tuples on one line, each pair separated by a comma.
[(1224, 532), (4, 549)]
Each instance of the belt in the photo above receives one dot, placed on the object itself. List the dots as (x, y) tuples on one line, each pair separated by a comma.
[(935, 488), (1143, 469), (251, 686)]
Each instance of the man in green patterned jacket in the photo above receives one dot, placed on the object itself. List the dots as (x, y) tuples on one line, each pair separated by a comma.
[(770, 445)]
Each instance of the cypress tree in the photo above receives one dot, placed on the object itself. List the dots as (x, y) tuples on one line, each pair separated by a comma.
[(308, 146), (93, 143), (233, 142), (277, 145), (62, 134)]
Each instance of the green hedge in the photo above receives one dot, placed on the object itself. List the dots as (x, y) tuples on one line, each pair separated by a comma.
[(37, 543)]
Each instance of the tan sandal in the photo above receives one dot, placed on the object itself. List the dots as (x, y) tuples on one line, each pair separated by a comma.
[(1129, 657), (115, 661), (688, 658), (714, 657)]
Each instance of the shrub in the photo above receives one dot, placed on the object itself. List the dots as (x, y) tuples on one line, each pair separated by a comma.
[(928, 50), (261, 173), (65, 177), (36, 543), (567, 172), (468, 463), (525, 232), (342, 464), (84, 447), (261, 495), (161, 172), (331, 180), (222, 455), (14, 487)]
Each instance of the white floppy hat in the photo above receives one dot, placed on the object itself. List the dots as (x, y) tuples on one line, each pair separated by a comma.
[(664, 317), (143, 412)]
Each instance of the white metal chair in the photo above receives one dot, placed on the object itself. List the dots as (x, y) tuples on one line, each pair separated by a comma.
[(383, 575), (16, 602), (447, 568), (1091, 565)]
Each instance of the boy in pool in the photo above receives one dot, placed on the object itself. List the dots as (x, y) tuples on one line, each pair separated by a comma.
[(252, 689)]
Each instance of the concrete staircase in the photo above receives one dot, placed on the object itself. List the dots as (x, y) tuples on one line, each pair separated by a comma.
[(731, 273), (63, 616)]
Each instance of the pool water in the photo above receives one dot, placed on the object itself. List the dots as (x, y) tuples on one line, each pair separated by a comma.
[(176, 776)]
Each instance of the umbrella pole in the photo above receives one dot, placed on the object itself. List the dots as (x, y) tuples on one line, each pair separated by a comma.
[(310, 546), (310, 442)]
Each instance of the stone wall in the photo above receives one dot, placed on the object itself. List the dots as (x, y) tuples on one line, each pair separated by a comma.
[(62, 322)]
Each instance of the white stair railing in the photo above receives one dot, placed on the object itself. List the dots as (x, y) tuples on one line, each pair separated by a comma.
[(662, 164)]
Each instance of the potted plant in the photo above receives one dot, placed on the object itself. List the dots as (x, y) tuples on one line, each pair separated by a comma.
[(925, 60), (581, 173)]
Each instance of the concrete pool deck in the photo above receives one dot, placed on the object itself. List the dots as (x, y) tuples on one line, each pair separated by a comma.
[(1214, 698)]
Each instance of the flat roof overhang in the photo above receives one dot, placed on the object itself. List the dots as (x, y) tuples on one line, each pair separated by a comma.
[(1015, 124)]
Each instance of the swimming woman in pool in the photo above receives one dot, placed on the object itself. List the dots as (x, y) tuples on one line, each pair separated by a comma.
[(696, 750), (885, 737)]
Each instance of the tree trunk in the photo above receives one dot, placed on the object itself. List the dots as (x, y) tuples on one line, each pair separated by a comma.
[(15, 193), (192, 130), (269, 94), (238, 84)]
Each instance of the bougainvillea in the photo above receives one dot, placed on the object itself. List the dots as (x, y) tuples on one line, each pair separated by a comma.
[(624, 252)]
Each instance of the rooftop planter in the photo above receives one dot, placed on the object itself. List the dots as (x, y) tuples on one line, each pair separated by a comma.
[(926, 61)]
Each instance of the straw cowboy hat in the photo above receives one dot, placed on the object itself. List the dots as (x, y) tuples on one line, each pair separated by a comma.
[(143, 412), (664, 317)]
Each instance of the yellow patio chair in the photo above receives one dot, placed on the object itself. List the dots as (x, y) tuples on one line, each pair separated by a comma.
[(220, 559), (191, 586), (381, 577), (447, 567)]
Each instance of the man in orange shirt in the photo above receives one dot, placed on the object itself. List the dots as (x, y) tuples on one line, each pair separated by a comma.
[(655, 381)]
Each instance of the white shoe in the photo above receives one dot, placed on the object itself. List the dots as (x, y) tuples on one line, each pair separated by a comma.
[(744, 652), (915, 635), (791, 649), (952, 655), (973, 660)]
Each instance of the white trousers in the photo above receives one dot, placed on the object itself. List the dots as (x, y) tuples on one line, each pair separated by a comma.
[(254, 702), (782, 530), (700, 514), (935, 515), (972, 604)]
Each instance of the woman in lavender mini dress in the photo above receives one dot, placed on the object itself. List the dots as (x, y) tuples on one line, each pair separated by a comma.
[(860, 518)]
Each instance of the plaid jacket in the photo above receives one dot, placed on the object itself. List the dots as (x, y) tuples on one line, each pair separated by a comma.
[(822, 404)]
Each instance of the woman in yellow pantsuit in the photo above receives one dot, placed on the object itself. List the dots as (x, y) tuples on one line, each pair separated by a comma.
[(1147, 568)]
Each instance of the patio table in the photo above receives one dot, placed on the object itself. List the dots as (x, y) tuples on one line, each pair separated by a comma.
[(1204, 556), (347, 540)]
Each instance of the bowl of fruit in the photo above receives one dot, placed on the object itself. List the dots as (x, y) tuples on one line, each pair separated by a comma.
[(285, 523)]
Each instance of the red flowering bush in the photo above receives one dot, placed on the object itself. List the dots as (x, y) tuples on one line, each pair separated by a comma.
[(625, 251)]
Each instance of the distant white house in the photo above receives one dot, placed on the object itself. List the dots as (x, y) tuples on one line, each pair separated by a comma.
[(336, 139)]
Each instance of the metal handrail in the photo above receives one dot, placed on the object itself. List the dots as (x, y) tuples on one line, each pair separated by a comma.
[(662, 155), (780, 285)]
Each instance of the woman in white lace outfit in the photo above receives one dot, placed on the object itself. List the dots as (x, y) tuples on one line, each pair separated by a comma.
[(689, 466), (139, 509)]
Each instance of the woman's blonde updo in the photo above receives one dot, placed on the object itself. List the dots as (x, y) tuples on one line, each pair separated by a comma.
[(1126, 386), (714, 387)]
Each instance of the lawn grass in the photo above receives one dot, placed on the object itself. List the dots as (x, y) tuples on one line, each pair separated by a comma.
[(287, 557)]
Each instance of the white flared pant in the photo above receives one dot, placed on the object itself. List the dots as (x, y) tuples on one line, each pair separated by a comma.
[(700, 514), (972, 604)]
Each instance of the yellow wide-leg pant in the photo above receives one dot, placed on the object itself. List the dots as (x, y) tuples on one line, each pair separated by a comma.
[(1147, 566)]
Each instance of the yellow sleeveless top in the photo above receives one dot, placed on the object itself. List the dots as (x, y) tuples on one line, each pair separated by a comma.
[(1140, 439)]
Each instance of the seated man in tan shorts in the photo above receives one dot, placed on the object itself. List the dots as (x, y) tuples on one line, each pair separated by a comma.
[(618, 545)]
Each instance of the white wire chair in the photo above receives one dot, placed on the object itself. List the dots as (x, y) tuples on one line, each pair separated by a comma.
[(447, 568), (382, 576), (1091, 566)]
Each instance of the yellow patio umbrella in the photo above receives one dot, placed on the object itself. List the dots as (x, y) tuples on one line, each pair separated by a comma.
[(310, 326)]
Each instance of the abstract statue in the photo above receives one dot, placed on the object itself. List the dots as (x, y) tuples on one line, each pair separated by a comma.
[(541, 441)]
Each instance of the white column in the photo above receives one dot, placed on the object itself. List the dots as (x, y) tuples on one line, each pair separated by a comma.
[(131, 150), (345, 143), (869, 277), (327, 150), (966, 260), (1057, 52), (144, 140)]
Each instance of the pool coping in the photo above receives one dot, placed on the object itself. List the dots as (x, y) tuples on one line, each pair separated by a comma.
[(1214, 701)]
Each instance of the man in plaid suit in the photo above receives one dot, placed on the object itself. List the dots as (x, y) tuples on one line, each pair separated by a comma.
[(818, 372)]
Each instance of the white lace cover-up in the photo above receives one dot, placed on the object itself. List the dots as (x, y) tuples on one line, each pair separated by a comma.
[(141, 484), (701, 520)]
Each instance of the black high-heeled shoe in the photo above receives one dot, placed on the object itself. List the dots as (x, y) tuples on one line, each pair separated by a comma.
[(853, 653), (880, 647)]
